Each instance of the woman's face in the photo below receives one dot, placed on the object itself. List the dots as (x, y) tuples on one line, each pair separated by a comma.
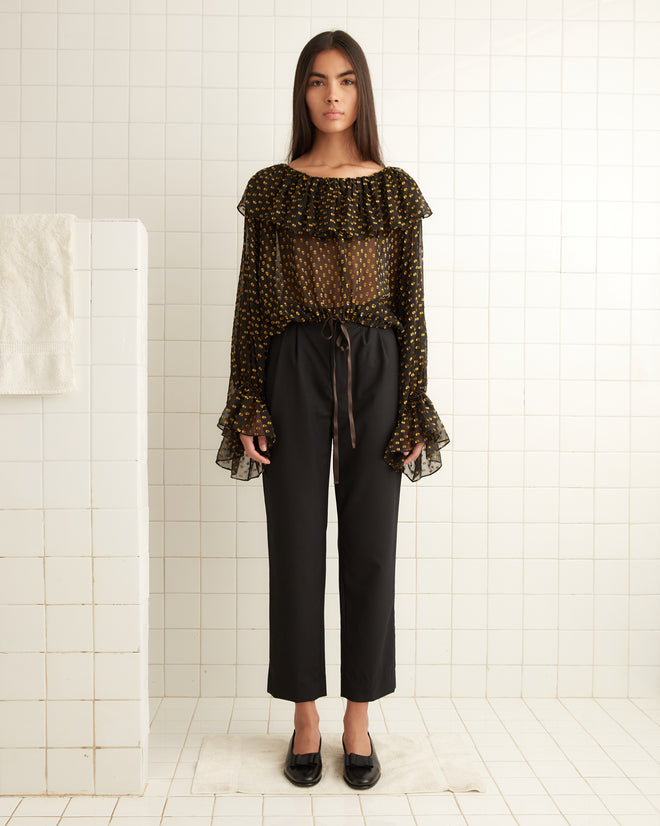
[(331, 95)]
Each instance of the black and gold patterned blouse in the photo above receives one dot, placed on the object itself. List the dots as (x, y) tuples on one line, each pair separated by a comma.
[(315, 246)]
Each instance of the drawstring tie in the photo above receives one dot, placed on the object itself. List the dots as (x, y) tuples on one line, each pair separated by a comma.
[(345, 345)]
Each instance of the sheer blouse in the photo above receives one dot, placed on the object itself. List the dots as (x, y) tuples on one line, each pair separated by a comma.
[(313, 247)]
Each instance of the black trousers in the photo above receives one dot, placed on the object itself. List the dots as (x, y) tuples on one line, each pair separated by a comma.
[(300, 394)]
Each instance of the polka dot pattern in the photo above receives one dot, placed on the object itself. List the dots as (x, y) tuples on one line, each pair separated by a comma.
[(314, 246)]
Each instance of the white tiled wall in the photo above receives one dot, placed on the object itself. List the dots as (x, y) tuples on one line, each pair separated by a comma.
[(74, 716), (529, 564)]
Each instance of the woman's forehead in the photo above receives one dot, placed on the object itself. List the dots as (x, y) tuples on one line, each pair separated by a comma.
[(332, 61)]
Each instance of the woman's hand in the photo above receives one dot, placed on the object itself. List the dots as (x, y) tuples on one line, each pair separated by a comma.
[(415, 453), (250, 449)]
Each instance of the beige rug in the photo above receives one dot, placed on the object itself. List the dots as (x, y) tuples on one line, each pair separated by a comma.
[(410, 764)]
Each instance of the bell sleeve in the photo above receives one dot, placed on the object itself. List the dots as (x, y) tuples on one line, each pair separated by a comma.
[(246, 410), (417, 419)]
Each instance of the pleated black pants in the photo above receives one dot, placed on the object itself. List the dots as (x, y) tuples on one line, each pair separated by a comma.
[(300, 398)]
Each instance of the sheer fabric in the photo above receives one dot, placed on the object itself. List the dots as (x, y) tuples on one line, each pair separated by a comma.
[(316, 246)]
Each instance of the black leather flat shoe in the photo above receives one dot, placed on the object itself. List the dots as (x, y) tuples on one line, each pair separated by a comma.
[(303, 769), (361, 771)]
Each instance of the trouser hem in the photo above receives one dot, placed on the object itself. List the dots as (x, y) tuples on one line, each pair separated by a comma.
[(296, 699), (368, 696)]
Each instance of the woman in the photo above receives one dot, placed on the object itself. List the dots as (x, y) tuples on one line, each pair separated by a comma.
[(329, 348)]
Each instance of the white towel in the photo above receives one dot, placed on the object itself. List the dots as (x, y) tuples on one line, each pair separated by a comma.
[(411, 763), (36, 304)]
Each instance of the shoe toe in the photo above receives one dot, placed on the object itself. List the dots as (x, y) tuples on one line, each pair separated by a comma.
[(360, 778)]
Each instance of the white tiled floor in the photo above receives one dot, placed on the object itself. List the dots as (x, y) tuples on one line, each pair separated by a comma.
[(550, 762)]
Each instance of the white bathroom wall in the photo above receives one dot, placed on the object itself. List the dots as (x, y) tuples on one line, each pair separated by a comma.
[(528, 565), (74, 714)]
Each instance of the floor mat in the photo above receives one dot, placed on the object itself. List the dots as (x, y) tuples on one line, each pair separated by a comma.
[(410, 764)]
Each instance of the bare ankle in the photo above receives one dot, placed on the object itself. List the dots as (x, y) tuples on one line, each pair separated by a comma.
[(306, 714), (356, 714)]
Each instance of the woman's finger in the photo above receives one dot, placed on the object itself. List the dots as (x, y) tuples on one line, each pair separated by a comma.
[(248, 444), (411, 456)]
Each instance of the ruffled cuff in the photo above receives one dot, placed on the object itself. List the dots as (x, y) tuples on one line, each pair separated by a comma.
[(417, 421), (243, 414)]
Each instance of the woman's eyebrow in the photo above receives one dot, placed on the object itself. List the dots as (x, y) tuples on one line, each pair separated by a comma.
[(341, 74)]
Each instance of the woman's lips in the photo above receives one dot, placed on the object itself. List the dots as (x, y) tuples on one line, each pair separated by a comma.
[(333, 115)]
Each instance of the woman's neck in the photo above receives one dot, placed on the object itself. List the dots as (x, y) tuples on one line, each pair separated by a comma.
[(334, 150)]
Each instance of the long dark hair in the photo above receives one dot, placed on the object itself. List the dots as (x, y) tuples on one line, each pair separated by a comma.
[(365, 128)]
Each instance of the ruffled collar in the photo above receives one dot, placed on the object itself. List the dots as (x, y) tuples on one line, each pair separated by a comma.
[(324, 206)]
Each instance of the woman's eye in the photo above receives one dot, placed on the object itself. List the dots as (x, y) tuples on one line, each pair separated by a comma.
[(317, 82)]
